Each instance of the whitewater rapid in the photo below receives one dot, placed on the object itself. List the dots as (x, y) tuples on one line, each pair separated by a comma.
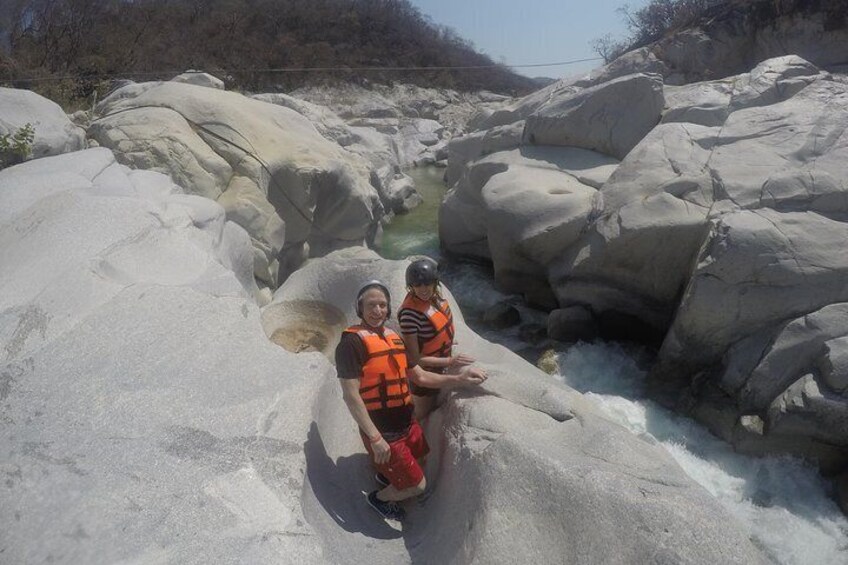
[(786, 506), (783, 501)]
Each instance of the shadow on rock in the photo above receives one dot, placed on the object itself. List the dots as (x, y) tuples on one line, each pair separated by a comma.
[(340, 488)]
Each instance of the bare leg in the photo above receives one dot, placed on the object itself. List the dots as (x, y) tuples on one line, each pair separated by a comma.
[(423, 406), (391, 493)]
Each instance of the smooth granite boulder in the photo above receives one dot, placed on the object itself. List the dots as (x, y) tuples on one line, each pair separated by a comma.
[(325, 120), (767, 183), (522, 208), (54, 133), (710, 103), (462, 150), (294, 191), (648, 222), (379, 152), (521, 109), (199, 78), (638, 61), (757, 269), (610, 118), (145, 416), (723, 222)]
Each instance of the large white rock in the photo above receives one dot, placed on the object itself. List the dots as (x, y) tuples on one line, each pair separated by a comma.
[(521, 208), (757, 269), (710, 103), (639, 61), (325, 120), (724, 222), (524, 107), (383, 153), (610, 118), (467, 148), (267, 165), (54, 132), (199, 78), (648, 222), (146, 418)]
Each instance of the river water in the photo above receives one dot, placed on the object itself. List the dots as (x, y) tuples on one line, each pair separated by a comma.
[(786, 506)]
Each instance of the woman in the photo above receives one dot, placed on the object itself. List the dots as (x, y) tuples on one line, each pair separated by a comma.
[(427, 328)]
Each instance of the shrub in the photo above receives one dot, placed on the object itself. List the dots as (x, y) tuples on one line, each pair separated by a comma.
[(16, 146)]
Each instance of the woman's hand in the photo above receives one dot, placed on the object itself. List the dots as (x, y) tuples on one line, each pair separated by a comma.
[(382, 451), (472, 376), (461, 360)]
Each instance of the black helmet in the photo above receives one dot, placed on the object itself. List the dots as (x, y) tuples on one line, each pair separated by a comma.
[(367, 286), (422, 271)]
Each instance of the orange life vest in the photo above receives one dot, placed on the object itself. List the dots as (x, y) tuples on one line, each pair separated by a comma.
[(383, 383), (441, 318)]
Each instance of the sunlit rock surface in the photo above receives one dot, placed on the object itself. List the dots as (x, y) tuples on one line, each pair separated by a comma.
[(378, 150), (610, 118), (419, 121), (521, 208), (145, 416), (736, 36), (293, 191), (200, 79), (721, 224), (53, 132)]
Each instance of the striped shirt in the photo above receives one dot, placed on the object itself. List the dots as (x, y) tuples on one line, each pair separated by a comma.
[(416, 323)]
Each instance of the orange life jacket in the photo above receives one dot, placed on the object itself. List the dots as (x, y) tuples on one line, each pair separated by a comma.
[(383, 383), (441, 318)]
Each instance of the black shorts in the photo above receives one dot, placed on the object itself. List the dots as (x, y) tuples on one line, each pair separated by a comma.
[(422, 390)]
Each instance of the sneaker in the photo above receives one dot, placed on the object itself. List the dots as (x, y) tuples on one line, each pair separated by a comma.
[(381, 480), (388, 510)]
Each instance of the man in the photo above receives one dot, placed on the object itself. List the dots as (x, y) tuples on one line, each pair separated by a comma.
[(372, 367)]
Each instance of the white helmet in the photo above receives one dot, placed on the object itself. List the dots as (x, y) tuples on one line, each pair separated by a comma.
[(367, 286)]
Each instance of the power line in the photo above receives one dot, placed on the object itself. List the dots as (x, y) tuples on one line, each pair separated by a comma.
[(309, 70)]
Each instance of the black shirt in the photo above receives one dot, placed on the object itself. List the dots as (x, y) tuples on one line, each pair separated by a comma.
[(351, 355)]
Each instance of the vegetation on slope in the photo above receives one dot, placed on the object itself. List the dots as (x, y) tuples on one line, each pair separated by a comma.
[(240, 40), (660, 18)]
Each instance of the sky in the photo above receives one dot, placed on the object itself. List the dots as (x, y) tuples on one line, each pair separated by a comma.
[(520, 32)]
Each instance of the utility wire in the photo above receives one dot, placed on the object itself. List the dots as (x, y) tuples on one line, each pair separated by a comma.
[(310, 70)]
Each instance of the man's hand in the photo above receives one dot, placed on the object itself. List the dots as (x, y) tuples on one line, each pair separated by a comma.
[(472, 376), (382, 451)]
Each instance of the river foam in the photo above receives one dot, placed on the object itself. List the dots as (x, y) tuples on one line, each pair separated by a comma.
[(783, 501)]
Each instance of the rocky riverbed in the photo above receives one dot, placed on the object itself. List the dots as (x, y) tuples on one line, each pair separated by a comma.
[(172, 292)]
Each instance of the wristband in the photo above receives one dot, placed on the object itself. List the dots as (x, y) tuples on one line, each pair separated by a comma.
[(379, 438)]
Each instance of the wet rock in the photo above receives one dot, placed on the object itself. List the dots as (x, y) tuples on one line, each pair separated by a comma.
[(572, 324), (502, 315), (533, 334)]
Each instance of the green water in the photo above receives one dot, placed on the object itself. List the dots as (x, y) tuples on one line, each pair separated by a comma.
[(418, 231)]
